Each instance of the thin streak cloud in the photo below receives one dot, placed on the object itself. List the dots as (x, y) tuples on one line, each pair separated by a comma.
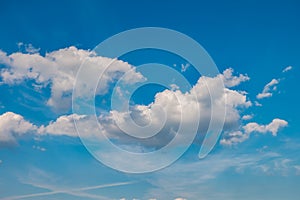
[(74, 192)]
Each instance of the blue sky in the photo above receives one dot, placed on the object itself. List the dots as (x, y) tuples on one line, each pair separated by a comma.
[(255, 45)]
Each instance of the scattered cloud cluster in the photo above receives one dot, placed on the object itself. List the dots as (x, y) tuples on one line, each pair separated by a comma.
[(28, 48), (172, 101), (271, 87), (57, 70)]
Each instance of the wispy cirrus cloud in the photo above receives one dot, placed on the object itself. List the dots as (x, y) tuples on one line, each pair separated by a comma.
[(191, 175)]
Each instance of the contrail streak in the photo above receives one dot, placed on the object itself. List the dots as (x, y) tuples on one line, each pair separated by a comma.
[(69, 191)]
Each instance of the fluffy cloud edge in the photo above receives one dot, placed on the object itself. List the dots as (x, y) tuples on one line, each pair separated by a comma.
[(13, 125), (240, 136), (58, 70)]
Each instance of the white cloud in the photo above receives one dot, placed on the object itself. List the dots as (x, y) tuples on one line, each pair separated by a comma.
[(247, 117), (174, 102), (288, 68), (64, 125), (268, 89), (58, 69), (242, 135), (234, 138), (230, 80), (264, 95), (272, 127), (168, 99), (13, 125)]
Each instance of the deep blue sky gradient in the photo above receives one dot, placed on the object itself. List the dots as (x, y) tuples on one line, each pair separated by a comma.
[(258, 38)]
